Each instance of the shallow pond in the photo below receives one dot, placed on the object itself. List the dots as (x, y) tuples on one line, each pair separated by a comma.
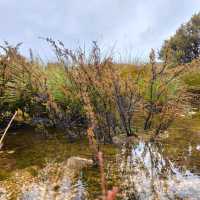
[(166, 169)]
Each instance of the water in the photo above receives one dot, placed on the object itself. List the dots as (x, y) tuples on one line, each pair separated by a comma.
[(166, 169), (147, 174)]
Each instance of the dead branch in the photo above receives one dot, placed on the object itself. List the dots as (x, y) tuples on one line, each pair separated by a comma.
[(8, 126)]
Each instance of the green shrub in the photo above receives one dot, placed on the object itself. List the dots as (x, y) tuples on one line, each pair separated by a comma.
[(192, 80)]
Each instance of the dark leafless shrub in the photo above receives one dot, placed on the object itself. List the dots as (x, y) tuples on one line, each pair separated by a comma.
[(164, 95), (97, 81)]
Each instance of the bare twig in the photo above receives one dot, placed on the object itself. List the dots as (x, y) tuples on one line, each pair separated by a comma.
[(101, 166), (8, 126)]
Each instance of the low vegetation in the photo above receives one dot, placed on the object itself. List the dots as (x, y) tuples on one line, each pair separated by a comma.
[(80, 91)]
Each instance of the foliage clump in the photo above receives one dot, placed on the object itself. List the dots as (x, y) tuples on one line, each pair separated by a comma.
[(184, 45)]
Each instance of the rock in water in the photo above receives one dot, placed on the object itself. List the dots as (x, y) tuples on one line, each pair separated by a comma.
[(77, 163)]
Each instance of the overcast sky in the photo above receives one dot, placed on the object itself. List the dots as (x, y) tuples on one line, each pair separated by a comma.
[(131, 26)]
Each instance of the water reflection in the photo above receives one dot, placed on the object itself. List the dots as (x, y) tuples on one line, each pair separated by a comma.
[(147, 174)]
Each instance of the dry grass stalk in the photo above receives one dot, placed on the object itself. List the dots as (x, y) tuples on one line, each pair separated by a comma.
[(8, 126)]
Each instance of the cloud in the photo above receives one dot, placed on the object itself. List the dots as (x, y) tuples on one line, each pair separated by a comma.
[(136, 25)]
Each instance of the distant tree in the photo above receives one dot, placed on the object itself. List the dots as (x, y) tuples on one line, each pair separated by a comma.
[(184, 46)]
